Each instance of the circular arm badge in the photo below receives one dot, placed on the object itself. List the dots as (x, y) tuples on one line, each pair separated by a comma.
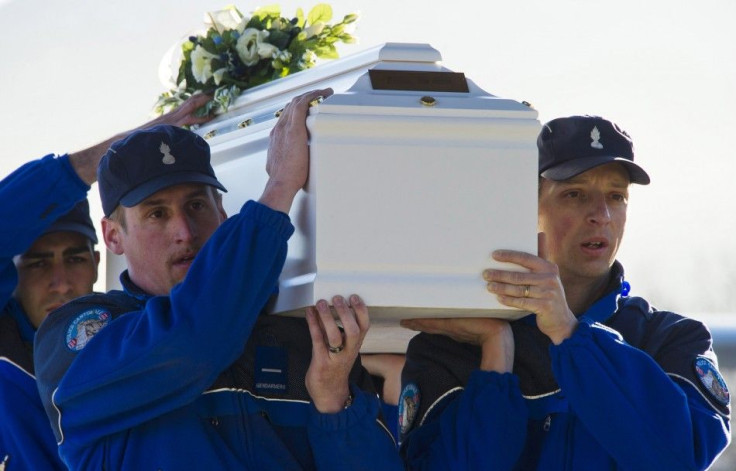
[(83, 327), (712, 380), (408, 408)]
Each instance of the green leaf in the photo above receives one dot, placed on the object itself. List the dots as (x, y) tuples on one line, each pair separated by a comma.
[(269, 10), (351, 18), (279, 38), (300, 17), (255, 22), (348, 39), (320, 12), (326, 52)]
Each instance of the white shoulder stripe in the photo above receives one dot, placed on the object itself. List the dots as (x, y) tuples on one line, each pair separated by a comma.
[(8, 360), (457, 388), (245, 391), (540, 396), (707, 399), (58, 411)]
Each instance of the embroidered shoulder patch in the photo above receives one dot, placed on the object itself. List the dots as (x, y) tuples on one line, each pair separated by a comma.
[(408, 407), (84, 327), (712, 380)]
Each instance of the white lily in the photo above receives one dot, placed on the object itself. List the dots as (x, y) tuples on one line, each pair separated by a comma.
[(227, 18), (218, 74)]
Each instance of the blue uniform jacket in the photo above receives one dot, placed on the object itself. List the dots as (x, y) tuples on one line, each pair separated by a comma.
[(197, 379), (633, 389), (34, 196)]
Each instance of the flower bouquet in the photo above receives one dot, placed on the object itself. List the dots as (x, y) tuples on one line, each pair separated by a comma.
[(238, 52)]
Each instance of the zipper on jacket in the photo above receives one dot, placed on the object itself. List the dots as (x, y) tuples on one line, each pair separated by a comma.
[(547, 423)]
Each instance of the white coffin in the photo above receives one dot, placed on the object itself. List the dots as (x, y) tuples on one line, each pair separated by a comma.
[(405, 201)]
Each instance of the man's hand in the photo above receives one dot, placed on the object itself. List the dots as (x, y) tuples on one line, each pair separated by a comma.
[(85, 162), (334, 350), (288, 153), (539, 291), (184, 114), (494, 336)]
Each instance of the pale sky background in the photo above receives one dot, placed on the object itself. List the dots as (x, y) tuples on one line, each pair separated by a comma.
[(75, 72)]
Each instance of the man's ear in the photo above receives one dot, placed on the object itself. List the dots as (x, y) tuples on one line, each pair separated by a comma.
[(111, 234), (220, 208)]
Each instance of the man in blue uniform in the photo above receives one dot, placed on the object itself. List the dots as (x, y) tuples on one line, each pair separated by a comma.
[(47, 258), (594, 378), (178, 370)]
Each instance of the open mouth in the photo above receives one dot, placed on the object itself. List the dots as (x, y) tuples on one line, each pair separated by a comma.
[(594, 245), (185, 260)]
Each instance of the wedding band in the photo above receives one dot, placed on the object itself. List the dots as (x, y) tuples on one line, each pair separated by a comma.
[(526, 291), (337, 349)]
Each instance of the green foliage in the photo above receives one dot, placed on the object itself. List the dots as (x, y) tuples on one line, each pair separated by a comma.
[(237, 53), (321, 12)]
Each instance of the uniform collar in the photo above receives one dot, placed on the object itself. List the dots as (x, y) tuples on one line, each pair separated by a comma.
[(607, 304), (132, 289), (26, 329)]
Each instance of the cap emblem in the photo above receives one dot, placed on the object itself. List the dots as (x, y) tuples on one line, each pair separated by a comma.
[(165, 150), (596, 136)]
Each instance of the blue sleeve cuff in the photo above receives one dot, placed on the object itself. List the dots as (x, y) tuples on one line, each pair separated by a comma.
[(73, 178), (499, 381), (364, 408), (583, 335), (277, 220)]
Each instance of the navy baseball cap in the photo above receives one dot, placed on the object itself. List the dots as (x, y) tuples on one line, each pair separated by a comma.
[(150, 160), (570, 146), (76, 220)]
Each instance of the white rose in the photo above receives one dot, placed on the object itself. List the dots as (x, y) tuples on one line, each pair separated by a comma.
[(267, 50), (202, 64), (248, 46)]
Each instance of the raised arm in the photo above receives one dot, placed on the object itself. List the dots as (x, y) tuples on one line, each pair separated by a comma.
[(85, 161), (288, 153)]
